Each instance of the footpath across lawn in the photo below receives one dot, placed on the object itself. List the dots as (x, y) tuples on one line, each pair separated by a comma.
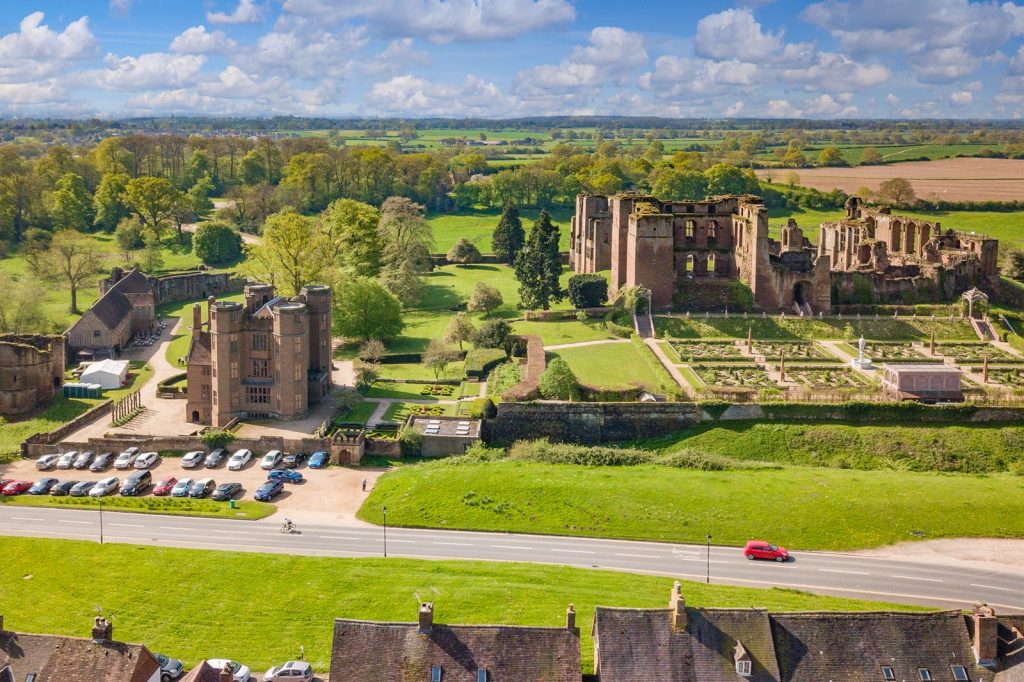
[(260, 608), (802, 508)]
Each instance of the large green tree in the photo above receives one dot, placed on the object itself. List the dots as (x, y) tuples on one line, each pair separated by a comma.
[(539, 266), (72, 259), (154, 200), (726, 179), (72, 205), (290, 255), (364, 309), (671, 184), (351, 230), (407, 240), (509, 236), (109, 202), (216, 242)]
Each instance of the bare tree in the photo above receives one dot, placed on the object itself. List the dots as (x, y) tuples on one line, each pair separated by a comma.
[(71, 258)]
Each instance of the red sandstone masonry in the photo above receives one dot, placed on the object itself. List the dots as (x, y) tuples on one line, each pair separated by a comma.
[(529, 387)]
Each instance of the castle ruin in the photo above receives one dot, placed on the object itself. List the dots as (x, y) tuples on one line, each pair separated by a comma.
[(31, 371)]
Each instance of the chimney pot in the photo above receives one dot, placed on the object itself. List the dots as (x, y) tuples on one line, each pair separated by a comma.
[(570, 617), (226, 675), (426, 618), (986, 635), (678, 605), (197, 317)]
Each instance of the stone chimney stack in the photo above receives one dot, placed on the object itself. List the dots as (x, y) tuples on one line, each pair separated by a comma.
[(570, 618), (102, 630), (197, 317), (426, 618), (986, 636), (678, 605), (225, 674)]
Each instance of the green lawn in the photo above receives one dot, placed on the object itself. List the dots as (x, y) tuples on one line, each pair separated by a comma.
[(564, 331), (806, 508), (259, 608), (245, 509), (477, 225), (613, 365), (415, 370), (397, 391), (360, 412), (882, 329)]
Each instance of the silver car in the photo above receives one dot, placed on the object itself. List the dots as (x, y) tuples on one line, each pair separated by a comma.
[(108, 486), (67, 459), (271, 459), (300, 671), (193, 459), (146, 460), (47, 462), (125, 459)]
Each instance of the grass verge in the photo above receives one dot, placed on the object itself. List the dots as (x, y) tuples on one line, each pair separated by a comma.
[(245, 509), (259, 608)]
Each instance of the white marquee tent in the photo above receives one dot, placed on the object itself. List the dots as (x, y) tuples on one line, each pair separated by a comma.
[(106, 373)]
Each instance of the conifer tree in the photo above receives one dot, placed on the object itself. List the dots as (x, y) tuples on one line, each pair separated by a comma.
[(538, 266), (509, 235)]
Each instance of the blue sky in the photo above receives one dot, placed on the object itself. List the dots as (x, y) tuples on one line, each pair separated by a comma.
[(506, 58)]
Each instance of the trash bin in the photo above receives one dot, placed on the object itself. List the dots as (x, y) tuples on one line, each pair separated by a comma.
[(231, 503)]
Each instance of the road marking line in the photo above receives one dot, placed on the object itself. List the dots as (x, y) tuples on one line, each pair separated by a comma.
[(512, 547), (408, 541), (24, 518), (455, 544), (126, 525), (993, 587), (176, 528), (574, 551), (911, 577), (339, 537), (236, 532), (703, 561), (641, 556), (86, 523), (836, 570)]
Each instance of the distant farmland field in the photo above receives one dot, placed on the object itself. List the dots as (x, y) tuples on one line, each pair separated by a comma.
[(966, 179)]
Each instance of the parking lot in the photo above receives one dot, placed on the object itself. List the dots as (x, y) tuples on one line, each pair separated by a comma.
[(331, 495)]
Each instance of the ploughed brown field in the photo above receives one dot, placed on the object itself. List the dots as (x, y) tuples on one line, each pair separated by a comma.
[(949, 179)]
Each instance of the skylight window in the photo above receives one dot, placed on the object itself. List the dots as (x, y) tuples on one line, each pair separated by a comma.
[(481, 675), (887, 673), (924, 674), (960, 673), (435, 674)]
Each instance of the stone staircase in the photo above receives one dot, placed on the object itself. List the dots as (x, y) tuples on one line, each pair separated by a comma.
[(644, 325)]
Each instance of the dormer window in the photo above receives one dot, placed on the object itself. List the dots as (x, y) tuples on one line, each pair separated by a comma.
[(743, 668), (481, 675), (960, 673), (435, 674), (924, 674), (887, 673)]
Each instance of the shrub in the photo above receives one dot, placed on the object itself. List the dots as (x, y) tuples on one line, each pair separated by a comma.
[(706, 461), (558, 382), (464, 252), (492, 334), (485, 299), (217, 438), (588, 291), (481, 360), (488, 410), (545, 451)]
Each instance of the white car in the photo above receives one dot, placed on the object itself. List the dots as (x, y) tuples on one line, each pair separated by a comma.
[(239, 672), (108, 486), (146, 460), (193, 459), (47, 462), (271, 459), (301, 671), (239, 459), (67, 460), (125, 459)]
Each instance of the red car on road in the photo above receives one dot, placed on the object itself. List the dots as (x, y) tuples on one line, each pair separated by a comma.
[(165, 485), (759, 549), (16, 487)]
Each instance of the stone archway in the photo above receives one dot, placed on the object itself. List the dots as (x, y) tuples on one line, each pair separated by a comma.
[(803, 293), (195, 416)]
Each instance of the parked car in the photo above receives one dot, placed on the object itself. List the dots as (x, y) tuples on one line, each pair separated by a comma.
[(67, 459), (226, 491), (101, 462), (293, 459), (42, 486), (271, 459), (202, 488), (5, 481), (269, 490), (319, 459), (170, 668), (125, 460), (165, 485), (83, 460), (146, 460), (759, 549), (239, 459), (108, 486), (286, 475), (193, 459), (215, 457), (301, 671), (16, 487), (182, 487), (239, 672), (81, 489), (47, 462), (63, 488), (137, 484)]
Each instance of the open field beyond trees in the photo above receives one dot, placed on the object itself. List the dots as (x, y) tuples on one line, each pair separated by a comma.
[(259, 608)]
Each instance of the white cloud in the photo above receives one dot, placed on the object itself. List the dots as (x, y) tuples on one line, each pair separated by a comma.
[(734, 109), (961, 98), (442, 21), (121, 7), (682, 76), (407, 93), (826, 105), (611, 55), (734, 34), (151, 70), (833, 71), (1016, 66), (247, 12), (41, 92), (197, 40), (37, 51), (892, 100), (311, 54), (398, 55), (781, 108)]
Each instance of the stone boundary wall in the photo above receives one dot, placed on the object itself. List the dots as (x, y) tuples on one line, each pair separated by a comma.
[(594, 423), (119, 442), (44, 442)]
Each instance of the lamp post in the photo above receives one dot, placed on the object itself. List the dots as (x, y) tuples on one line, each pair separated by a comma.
[(101, 520), (385, 510), (708, 537)]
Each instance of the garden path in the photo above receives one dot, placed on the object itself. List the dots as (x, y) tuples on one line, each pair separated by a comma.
[(669, 366), (580, 344)]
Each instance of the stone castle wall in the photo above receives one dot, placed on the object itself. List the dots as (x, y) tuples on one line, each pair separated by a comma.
[(31, 371)]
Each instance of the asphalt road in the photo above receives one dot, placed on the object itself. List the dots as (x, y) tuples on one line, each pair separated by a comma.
[(821, 572)]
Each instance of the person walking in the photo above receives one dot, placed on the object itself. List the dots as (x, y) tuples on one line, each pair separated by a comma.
[(364, 485)]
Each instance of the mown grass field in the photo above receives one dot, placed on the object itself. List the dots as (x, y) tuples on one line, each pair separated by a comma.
[(259, 608), (800, 507), (477, 225), (244, 509), (610, 366)]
